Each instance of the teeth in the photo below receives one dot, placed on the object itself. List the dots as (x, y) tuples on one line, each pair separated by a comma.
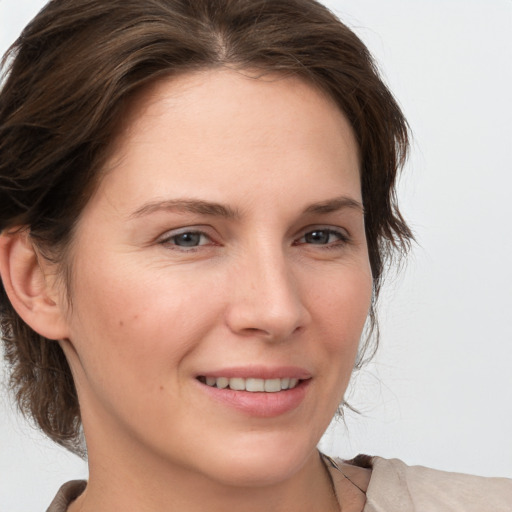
[(272, 385), (254, 385), (251, 385), (222, 382), (237, 384)]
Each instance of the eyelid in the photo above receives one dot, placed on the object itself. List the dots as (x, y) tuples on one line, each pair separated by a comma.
[(343, 234), (167, 237)]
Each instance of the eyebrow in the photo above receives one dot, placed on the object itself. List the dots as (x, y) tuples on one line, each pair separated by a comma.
[(188, 206), (201, 207), (334, 205)]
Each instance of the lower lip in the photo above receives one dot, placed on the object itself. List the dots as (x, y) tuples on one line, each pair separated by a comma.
[(263, 405)]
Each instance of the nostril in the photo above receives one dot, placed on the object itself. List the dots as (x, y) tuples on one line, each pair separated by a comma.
[(271, 315)]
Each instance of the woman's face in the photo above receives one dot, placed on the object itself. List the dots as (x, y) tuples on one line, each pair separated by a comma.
[(225, 244)]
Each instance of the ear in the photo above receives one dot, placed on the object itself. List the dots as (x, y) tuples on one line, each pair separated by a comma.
[(31, 289)]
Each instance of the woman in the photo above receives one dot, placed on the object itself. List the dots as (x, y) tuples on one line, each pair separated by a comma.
[(197, 205)]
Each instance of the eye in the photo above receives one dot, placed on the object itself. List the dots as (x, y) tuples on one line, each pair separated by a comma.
[(323, 237), (186, 239)]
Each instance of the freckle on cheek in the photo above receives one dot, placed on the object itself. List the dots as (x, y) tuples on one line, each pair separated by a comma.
[(121, 323)]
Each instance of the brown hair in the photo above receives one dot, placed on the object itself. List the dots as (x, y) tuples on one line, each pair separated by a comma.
[(69, 78)]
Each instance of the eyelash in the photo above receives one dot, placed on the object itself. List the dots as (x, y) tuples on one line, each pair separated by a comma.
[(342, 239), (168, 240)]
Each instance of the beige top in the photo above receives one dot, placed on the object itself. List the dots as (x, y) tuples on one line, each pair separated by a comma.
[(396, 487)]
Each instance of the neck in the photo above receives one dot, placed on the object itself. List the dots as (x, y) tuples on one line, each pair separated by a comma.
[(135, 483)]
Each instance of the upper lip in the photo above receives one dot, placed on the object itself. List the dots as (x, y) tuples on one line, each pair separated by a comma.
[(259, 372)]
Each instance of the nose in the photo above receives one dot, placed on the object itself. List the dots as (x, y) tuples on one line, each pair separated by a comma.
[(266, 299)]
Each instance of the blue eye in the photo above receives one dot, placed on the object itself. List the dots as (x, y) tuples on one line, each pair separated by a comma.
[(323, 237), (187, 239)]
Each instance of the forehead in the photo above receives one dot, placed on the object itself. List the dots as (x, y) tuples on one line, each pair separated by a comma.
[(238, 103), (215, 130)]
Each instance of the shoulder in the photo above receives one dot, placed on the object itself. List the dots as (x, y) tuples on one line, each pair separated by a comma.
[(395, 486)]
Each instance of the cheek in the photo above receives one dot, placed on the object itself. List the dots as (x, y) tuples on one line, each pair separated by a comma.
[(139, 320), (132, 336), (342, 302), (341, 311)]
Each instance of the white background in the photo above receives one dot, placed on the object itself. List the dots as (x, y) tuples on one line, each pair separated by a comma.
[(439, 393)]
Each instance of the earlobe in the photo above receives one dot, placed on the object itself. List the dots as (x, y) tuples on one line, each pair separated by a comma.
[(32, 294)]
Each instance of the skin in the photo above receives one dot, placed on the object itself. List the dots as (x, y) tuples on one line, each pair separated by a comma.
[(259, 288)]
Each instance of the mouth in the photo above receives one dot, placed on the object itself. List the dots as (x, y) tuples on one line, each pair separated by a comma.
[(257, 391), (252, 385)]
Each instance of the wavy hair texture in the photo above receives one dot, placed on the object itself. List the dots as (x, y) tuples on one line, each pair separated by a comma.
[(68, 80)]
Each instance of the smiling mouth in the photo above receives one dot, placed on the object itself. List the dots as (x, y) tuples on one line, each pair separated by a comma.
[(251, 385)]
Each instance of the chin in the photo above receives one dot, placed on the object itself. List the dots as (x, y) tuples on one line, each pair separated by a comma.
[(262, 461)]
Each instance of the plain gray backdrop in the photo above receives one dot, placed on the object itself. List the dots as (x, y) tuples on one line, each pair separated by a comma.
[(439, 392)]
